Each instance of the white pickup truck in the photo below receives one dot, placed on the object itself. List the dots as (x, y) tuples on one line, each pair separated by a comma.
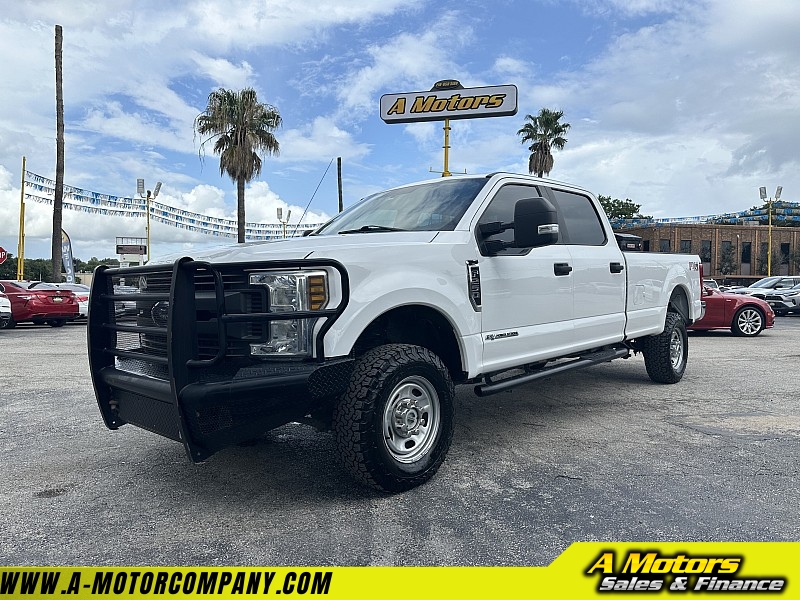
[(365, 325)]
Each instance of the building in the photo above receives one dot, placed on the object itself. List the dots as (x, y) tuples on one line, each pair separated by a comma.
[(732, 253)]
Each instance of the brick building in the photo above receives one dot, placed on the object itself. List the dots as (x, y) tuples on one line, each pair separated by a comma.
[(733, 253)]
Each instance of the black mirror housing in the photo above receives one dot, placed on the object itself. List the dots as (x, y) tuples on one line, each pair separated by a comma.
[(535, 223)]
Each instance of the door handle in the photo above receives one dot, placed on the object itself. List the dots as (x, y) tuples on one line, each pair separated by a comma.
[(616, 267), (561, 269)]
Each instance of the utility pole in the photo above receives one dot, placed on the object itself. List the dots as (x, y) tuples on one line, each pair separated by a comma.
[(58, 198), (339, 169)]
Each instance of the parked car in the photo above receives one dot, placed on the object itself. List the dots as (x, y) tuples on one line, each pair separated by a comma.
[(28, 304), (81, 293), (5, 310), (712, 283), (784, 302), (744, 315), (764, 286)]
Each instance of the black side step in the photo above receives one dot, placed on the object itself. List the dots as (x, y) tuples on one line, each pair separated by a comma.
[(595, 358)]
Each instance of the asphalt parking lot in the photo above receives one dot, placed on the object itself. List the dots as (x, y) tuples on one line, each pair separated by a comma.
[(601, 454)]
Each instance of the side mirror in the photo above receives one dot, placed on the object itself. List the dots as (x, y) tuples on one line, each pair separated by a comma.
[(535, 223)]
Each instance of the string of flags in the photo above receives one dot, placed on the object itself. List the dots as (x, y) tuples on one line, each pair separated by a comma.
[(781, 212), (42, 190)]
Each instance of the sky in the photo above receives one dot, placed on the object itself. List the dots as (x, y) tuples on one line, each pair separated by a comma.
[(684, 107)]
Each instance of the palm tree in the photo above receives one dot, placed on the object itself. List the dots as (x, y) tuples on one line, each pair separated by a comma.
[(241, 127), (544, 132)]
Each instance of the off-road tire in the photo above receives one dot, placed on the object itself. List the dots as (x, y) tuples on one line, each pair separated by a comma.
[(748, 321), (395, 388), (665, 354)]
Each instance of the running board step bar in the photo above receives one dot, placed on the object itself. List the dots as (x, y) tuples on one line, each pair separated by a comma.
[(595, 358)]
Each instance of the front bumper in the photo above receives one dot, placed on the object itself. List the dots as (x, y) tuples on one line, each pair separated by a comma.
[(180, 366), (785, 305)]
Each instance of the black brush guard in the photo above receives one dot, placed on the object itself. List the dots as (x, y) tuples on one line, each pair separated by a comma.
[(173, 358)]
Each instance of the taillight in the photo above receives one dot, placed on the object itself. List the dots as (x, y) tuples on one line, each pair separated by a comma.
[(82, 298)]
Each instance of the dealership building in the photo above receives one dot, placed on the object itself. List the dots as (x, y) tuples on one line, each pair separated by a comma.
[(734, 247)]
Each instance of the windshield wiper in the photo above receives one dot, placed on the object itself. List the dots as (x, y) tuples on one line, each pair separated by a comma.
[(369, 229)]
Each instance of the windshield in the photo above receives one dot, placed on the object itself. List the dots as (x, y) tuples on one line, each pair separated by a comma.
[(436, 206), (766, 282)]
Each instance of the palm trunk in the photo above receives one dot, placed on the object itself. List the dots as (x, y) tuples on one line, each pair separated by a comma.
[(240, 208), (58, 197)]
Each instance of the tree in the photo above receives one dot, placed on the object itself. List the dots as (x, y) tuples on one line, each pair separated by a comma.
[(621, 209), (58, 198), (544, 132), (762, 264), (794, 261), (241, 127), (727, 259)]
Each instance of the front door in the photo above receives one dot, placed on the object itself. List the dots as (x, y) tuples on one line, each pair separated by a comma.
[(526, 293)]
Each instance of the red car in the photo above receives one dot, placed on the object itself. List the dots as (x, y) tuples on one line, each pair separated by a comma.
[(54, 307), (743, 315)]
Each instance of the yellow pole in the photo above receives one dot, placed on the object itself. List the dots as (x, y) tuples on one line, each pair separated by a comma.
[(769, 241), (446, 171), (21, 242)]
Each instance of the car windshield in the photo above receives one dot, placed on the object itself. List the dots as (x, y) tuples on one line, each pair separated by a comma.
[(436, 206), (765, 283)]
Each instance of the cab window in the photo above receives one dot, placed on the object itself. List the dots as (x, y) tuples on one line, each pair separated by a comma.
[(501, 209), (579, 219)]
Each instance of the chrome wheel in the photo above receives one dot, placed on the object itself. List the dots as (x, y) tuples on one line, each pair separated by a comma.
[(676, 350), (749, 321), (411, 419)]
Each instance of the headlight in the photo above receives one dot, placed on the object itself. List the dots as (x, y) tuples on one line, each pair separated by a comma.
[(290, 291)]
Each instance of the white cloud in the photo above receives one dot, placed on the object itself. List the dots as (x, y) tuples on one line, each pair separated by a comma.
[(223, 72), (414, 60), (319, 141), (243, 23)]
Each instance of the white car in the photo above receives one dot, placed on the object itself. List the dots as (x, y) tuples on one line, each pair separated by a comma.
[(5, 310), (768, 285), (81, 293)]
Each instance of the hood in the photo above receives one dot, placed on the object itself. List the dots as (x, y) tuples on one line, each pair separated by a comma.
[(316, 246)]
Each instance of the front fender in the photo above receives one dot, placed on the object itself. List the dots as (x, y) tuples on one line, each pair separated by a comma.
[(379, 292)]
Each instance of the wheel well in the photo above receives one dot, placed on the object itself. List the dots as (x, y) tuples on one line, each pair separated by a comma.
[(417, 325), (679, 303)]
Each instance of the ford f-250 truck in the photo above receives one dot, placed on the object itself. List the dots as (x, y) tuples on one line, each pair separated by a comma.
[(365, 325)]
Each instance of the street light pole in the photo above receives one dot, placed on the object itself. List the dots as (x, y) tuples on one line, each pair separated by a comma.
[(282, 222), (150, 196), (763, 193)]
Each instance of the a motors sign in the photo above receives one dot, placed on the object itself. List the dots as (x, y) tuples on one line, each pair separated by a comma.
[(450, 103)]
